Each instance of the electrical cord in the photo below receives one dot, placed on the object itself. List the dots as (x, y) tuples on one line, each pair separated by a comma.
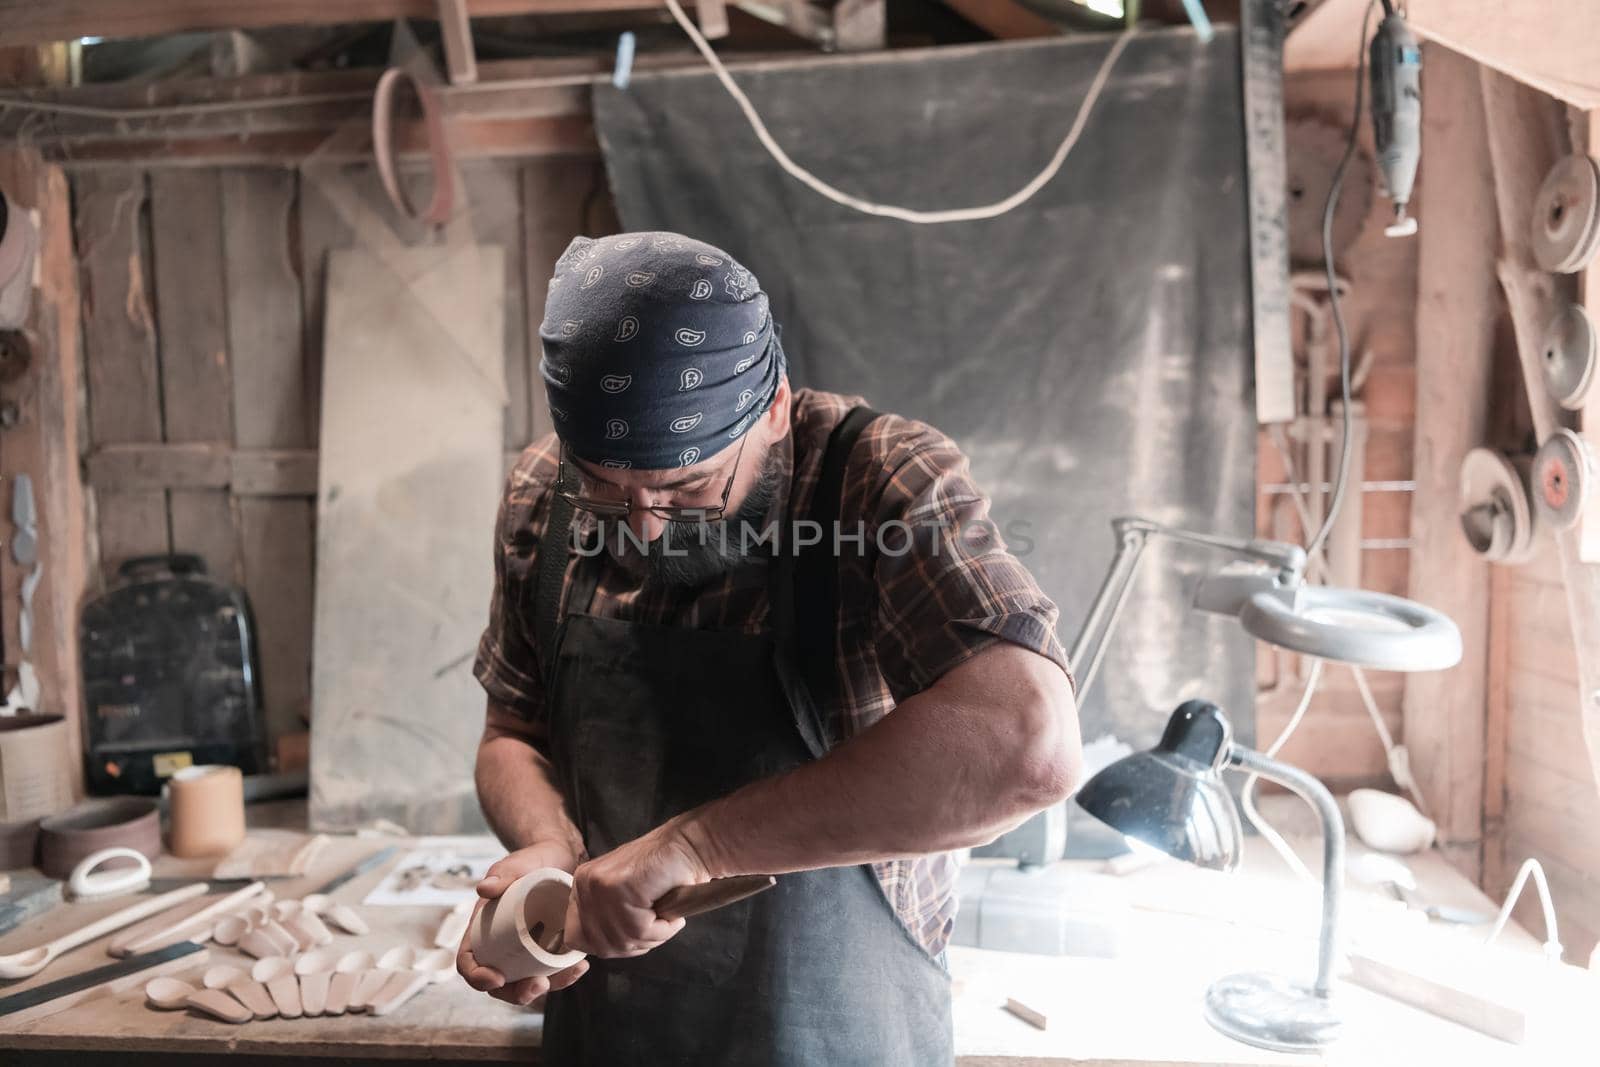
[(1247, 798), (868, 207), (1329, 207), (1552, 939)]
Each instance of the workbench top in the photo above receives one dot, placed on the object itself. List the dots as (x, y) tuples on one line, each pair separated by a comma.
[(1176, 929)]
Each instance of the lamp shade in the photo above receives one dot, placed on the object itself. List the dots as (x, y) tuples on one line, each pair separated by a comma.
[(1172, 797)]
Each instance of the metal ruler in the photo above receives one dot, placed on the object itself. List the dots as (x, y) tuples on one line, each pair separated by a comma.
[(76, 983)]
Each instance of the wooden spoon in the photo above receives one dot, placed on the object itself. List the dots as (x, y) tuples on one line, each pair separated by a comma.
[(427, 968), (229, 929), (373, 982), (346, 973), (32, 961), (220, 976), (167, 994), (315, 970), (219, 1005), (277, 974)]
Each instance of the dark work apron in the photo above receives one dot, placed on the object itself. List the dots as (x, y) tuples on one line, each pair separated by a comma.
[(649, 721)]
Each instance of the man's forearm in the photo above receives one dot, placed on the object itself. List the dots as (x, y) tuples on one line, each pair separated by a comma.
[(518, 794), (952, 767)]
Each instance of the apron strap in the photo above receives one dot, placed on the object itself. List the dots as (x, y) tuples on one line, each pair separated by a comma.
[(816, 570), (551, 576)]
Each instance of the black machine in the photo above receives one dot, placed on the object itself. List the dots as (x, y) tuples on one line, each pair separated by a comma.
[(169, 677)]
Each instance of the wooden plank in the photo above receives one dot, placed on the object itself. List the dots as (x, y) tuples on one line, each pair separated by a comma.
[(414, 341), (191, 317), (1445, 710), (1551, 45), (264, 310), (858, 25), (456, 30), (147, 467), (30, 22), (276, 541), (489, 138), (119, 346), (493, 201), (244, 472), (272, 398), (287, 472), (44, 445), (1497, 725), (554, 193)]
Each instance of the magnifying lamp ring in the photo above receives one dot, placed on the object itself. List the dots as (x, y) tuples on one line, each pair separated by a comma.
[(1355, 626)]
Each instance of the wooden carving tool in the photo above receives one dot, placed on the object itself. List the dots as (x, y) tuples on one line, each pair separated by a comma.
[(687, 900)]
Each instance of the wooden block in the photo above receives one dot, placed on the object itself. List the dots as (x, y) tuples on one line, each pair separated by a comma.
[(1027, 1014), (1437, 998)]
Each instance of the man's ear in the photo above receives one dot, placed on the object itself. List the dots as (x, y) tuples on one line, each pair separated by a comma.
[(776, 417)]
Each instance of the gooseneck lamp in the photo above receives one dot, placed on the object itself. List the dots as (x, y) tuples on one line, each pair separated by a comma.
[(1265, 589), (1172, 798)]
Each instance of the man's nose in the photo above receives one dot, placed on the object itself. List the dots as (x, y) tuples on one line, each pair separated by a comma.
[(646, 525)]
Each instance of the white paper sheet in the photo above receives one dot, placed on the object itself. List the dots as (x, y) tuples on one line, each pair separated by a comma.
[(439, 871)]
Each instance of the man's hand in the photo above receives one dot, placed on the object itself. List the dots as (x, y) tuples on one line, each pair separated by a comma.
[(612, 911), (496, 881)]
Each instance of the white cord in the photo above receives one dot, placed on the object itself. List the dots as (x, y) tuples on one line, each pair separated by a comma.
[(1552, 940), (1398, 757), (867, 207), (1247, 802)]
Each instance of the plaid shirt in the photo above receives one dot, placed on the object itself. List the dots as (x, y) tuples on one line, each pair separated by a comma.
[(941, 588)]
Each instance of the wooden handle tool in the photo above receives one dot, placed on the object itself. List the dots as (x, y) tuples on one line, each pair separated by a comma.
[(687, 900)]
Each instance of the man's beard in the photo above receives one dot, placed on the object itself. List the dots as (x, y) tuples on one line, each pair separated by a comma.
[(688, 554)]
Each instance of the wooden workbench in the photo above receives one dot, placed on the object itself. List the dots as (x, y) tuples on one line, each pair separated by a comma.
[(1177, 928)]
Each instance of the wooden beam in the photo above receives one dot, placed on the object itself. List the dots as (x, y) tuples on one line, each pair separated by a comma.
[(33, 22), (525, 138), (860, 25), (44, 445), (1456, 314), (204, 466), (1552, 45), (1004, 19), (1325, 38), (459, 56)]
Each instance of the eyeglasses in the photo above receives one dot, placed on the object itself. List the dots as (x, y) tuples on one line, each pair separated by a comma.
[(569, 489)]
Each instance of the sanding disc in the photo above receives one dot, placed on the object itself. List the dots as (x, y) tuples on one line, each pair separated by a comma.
[(1566, 215), (1568, 353), (1496, 506), (1562, 471)]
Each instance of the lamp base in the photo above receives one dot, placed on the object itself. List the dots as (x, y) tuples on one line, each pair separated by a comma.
[(1268, 1011)]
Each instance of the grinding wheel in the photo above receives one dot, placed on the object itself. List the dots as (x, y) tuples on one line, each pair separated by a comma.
[(1566, 215), (1496, 506), (1569, 352), (1562, 471)]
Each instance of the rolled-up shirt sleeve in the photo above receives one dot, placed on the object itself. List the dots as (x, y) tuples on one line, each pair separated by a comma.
[(507, 664), (948, 587)]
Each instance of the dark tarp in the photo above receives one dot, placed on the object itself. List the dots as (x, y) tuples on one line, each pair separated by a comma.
[(1090, 351)]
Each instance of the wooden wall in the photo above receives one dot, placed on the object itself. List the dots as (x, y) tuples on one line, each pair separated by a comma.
[(1337, 740), (202, 318), (1551, 801)]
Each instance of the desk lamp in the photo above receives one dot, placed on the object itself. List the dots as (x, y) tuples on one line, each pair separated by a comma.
[(1172, 798)]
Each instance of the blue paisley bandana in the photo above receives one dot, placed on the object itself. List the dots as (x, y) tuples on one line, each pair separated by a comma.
[(659, 350)]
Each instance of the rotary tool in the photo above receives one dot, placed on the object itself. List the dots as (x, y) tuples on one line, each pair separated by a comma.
[(1396, 71)]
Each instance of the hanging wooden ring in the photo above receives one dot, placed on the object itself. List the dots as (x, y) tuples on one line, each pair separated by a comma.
[(437, 213)]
